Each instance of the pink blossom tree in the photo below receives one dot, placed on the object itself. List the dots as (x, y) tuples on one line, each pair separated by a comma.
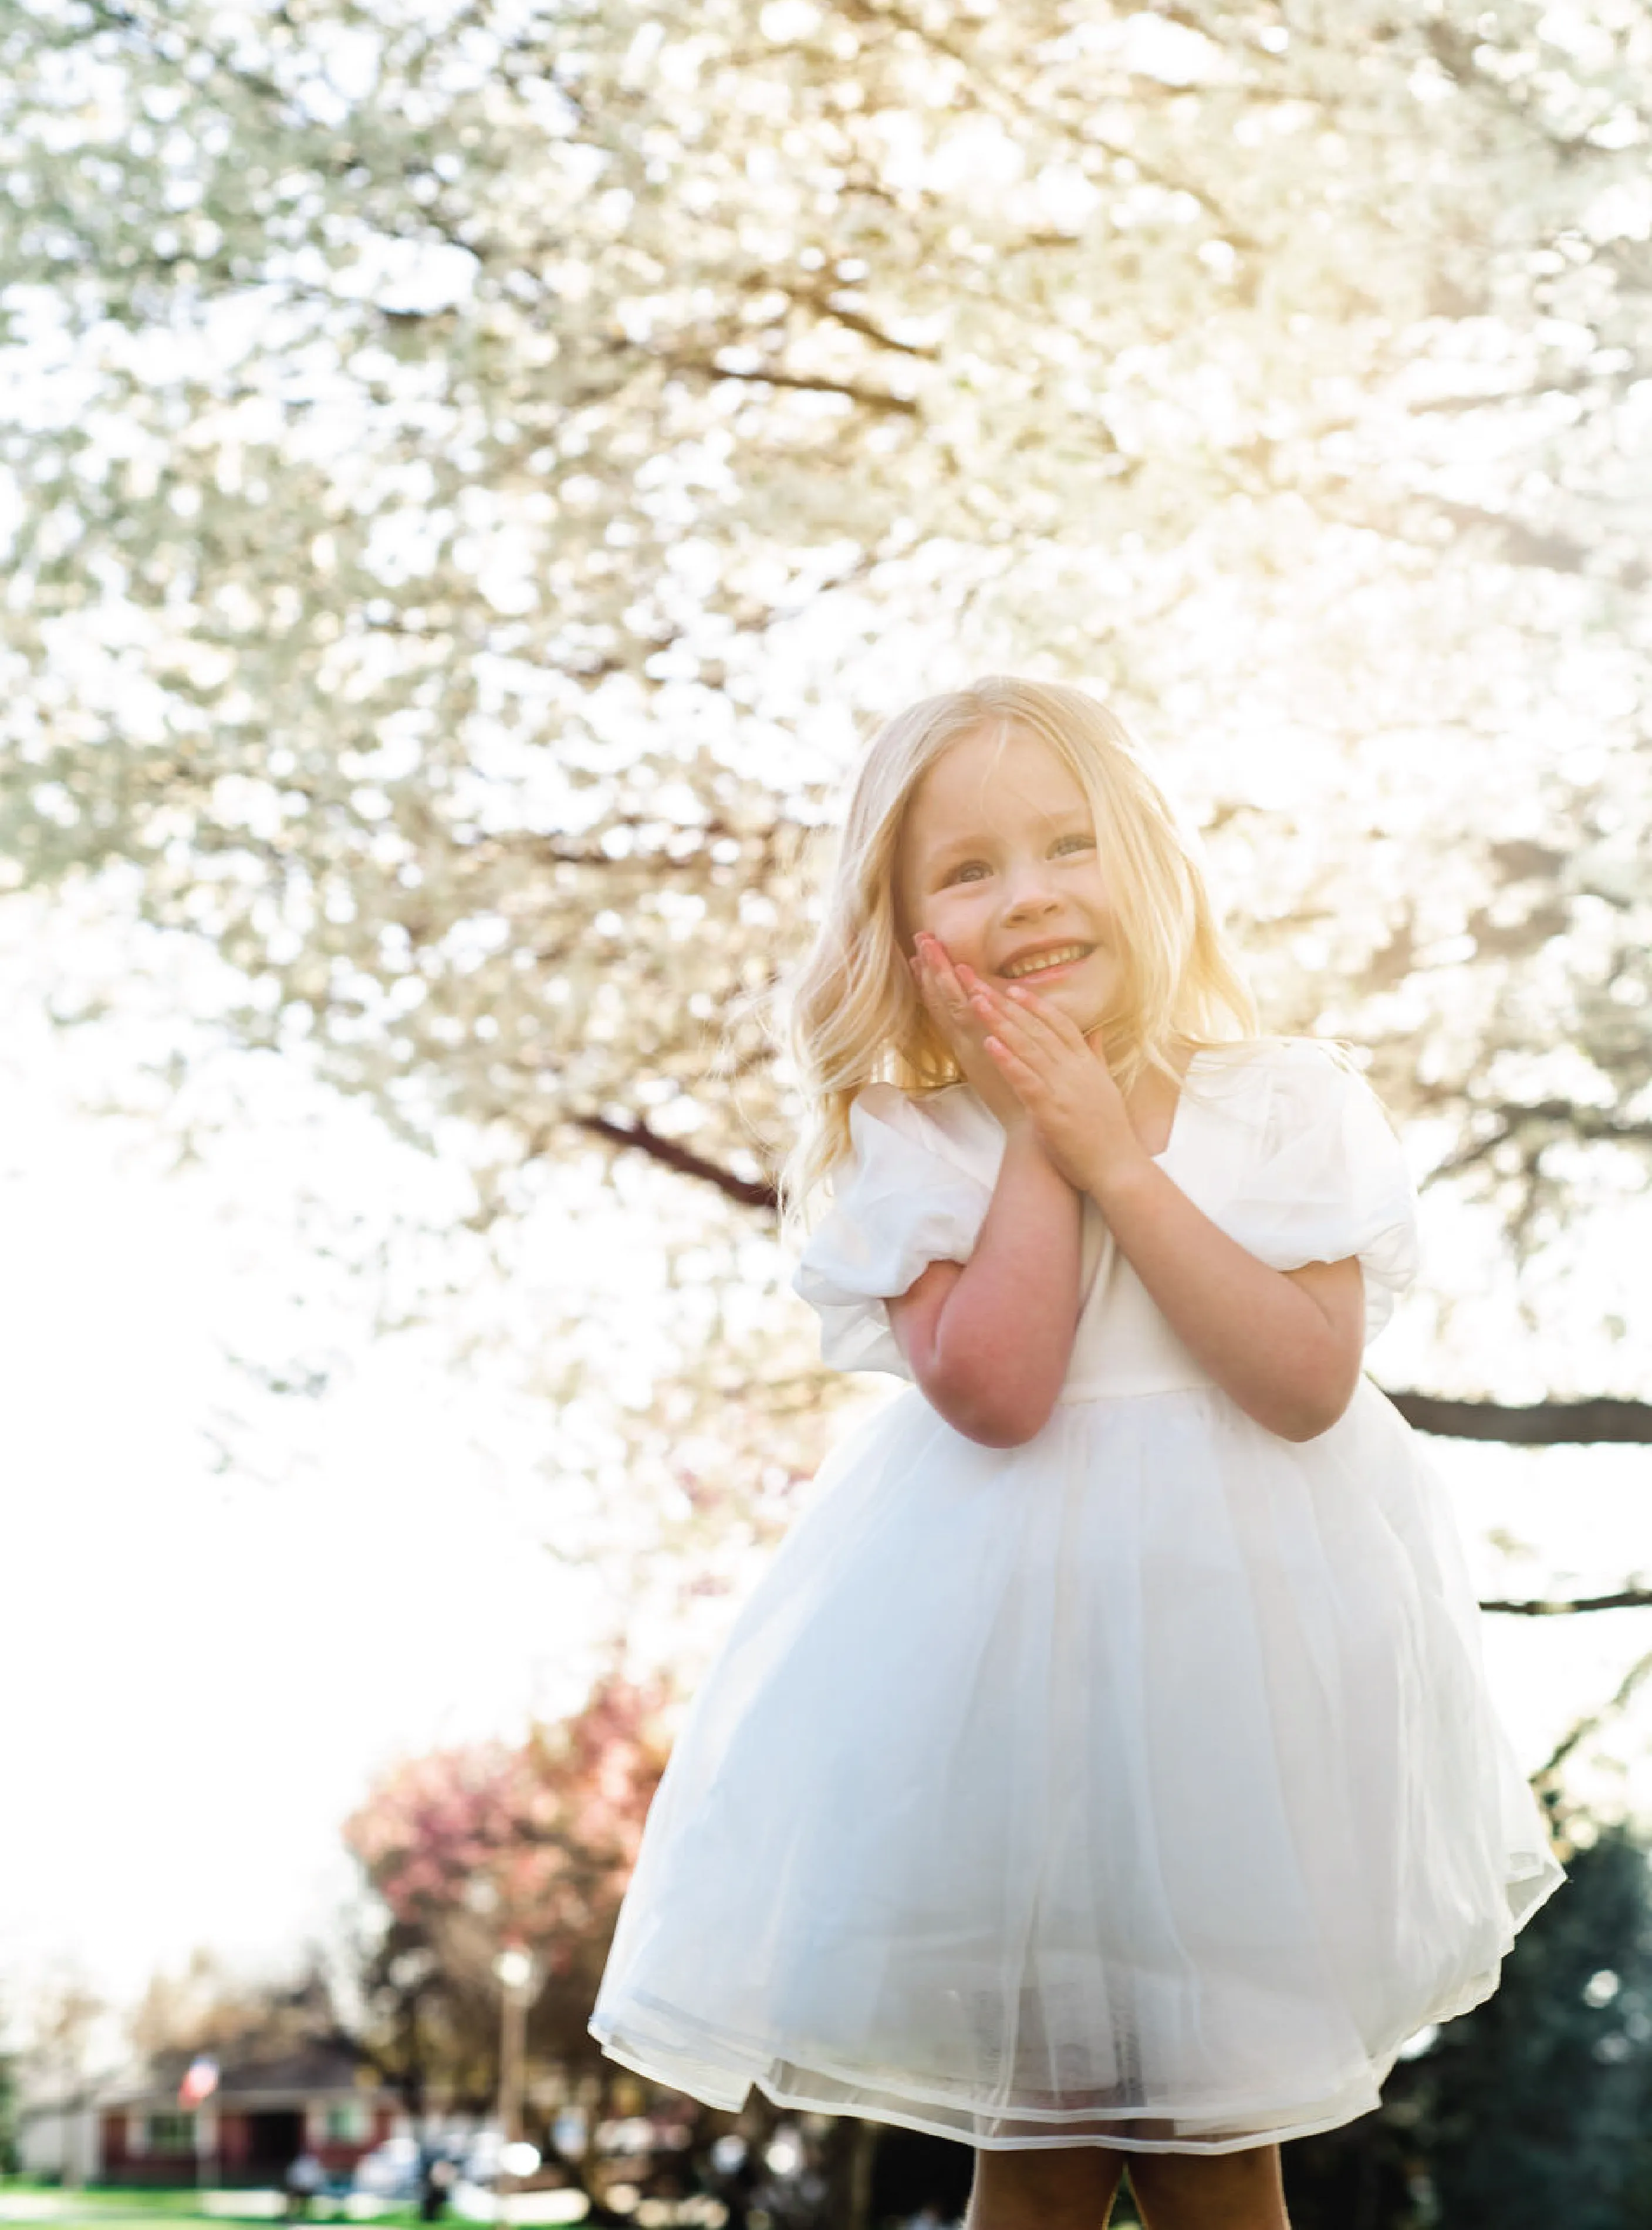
[(487, 1846)]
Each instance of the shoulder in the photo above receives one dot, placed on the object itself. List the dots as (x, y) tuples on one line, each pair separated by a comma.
[(950, 1117), (1279, 1055), (1281, 1086), (879, 1108), (921, 1139), (1330, 1070), (1328, 1064)]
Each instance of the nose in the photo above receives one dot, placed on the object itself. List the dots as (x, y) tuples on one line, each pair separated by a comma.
[(1028, 891)]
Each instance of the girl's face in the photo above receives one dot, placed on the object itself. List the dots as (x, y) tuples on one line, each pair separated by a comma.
[(997, 859)]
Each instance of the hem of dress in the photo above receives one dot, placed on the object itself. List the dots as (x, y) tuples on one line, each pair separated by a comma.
[(1248, 2143), (1360, 2095), (1549, 1873)]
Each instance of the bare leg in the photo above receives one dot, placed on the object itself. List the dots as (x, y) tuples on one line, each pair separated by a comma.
[(1045, 2187), (1210, 2191)]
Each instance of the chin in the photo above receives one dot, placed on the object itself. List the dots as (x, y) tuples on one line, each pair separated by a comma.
[(1088, 1008), (1082, 1011)]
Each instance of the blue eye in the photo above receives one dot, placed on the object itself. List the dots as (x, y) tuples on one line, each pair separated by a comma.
[(1080, 839)]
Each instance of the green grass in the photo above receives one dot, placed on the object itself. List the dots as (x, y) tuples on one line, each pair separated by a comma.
[(147, 2210)]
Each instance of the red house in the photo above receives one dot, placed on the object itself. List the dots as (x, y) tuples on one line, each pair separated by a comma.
[(266, 2108)]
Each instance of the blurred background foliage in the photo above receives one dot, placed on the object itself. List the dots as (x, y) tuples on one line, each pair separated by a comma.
[(472, 471)]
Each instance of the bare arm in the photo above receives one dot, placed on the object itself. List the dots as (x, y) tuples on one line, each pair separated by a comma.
[(1286, 1344), (988, 1340)]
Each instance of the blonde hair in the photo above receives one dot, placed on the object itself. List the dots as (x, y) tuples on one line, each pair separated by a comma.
[(850, 1014)]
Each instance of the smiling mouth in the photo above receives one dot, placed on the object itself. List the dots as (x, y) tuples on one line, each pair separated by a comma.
[(1047, 963)]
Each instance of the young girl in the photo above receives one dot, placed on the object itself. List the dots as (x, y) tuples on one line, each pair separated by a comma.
[(1103, 1770)]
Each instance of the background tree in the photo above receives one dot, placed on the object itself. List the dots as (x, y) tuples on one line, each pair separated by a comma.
[(473, 1850), (207, 2007), (476, 470), (64, 2018), (61, 2022), (1533, 2108), (472, 473)]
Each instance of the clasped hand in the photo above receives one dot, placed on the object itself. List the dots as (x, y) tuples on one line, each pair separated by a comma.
[(1030, 1063)]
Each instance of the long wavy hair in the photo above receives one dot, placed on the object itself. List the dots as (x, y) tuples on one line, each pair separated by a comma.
[(849, 1014)]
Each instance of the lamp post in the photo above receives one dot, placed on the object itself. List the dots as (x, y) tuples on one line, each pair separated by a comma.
[(518, 1973)]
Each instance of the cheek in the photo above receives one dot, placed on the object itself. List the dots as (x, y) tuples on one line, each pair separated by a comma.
[(952, 916)]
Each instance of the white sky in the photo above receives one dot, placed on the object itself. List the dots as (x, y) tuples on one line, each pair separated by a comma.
[(202, 1670)]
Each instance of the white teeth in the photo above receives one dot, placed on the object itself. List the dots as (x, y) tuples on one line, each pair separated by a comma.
[(1050, 959)]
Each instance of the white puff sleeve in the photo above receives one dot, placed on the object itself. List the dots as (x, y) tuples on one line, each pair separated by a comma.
[(1328, 1178), (902, 1202)]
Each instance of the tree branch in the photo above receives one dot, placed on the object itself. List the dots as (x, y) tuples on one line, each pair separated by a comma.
[(1625, 1599), (1546, 1776), (1550, 552), (748, 1192), (869, 398), (1595, 1422)]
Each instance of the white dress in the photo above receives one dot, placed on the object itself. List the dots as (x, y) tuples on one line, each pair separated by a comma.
[(1137, 1786)]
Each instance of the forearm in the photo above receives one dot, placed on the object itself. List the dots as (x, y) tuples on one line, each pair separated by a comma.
[(1265, 1339), (992, 1355)]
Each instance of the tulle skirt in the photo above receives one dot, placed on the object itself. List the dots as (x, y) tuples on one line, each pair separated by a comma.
[(1139, 1786)]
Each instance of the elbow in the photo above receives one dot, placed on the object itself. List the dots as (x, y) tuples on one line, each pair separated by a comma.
[(991, 1416), (994, 1391), (1305, 1425), (1012, 1431), (1310, 1396), (1311, 1413)]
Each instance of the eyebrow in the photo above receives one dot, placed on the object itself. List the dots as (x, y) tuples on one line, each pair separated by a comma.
[(1074, 816)]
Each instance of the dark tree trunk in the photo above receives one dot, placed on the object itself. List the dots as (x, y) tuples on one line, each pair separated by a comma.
[(851, 2151)]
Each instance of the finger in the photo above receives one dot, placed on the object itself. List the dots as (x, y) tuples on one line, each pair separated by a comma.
[(980, 995), (1048, 1019), (948, 1009), (979, 986), (1022, 1078), (1034, 1056), (953, 999), (931, 984), (940, 964), (1011, 1021)]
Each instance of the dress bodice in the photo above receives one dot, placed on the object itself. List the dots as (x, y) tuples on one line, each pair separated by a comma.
[(1278, 1141)]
